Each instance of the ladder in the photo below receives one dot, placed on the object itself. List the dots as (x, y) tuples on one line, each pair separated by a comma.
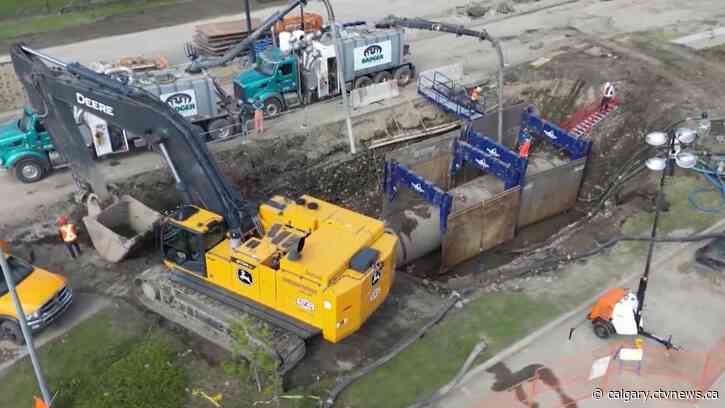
[(591, 118)]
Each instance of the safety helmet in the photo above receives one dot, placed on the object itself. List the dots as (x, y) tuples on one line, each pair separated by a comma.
[(478, 89)]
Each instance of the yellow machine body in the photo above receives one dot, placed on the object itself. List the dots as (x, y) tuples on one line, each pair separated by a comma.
[(341, 276)]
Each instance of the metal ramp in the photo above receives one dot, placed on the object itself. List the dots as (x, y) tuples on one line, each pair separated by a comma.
[(587, 118), (443, 91)]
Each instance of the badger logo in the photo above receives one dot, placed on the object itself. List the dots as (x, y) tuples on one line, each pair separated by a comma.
[(373, 50), (182, 102), (372, 53)]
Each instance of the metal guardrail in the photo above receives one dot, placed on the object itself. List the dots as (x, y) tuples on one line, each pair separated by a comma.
[(444, 92), (533, 126)]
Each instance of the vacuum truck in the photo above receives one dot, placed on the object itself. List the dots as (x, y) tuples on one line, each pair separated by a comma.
[(303, 69)]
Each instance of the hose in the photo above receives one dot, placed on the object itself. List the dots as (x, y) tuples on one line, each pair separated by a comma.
[(555, 260), (714, 178), (477, 349), (346, 381)]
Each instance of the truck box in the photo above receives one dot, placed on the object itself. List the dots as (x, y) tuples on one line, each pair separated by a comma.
[(370, 51), (194, 97)]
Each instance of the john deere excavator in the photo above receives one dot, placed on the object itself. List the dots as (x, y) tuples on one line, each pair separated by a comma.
[(304, 266)]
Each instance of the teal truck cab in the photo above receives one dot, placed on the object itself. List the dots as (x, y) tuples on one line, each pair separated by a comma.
[(26, 147), (306, 70), (273, 81)]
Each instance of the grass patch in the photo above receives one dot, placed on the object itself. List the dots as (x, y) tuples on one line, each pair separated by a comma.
[(147, 376), (102, 363), (500, 318), (681, 213), (18, 27), (10, 9)]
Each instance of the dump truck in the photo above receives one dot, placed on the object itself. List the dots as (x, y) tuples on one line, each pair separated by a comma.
[(304, 70), (304, 266), (44, 296)]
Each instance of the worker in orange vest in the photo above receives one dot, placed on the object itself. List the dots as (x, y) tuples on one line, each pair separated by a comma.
[(258, 117), (524, 149), (69, 235), (608, 93)]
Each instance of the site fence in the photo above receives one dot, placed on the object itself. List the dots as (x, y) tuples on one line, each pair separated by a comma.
[(622, 371)]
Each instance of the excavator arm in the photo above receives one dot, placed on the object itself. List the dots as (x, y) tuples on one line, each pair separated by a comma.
[(54, 88), (459, 31), (420, 24)]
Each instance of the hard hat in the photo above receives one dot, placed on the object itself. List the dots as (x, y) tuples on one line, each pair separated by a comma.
[(478, 89), (62, 220)]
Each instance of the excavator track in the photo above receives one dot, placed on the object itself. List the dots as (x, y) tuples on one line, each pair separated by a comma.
[(212, 316)]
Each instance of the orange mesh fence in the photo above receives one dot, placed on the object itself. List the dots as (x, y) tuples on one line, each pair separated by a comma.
[(620, 368)]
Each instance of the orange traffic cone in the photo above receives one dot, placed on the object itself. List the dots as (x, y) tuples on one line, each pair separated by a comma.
[(39, 403)]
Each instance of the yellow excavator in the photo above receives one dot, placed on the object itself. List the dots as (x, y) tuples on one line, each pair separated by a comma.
[(304, 265)]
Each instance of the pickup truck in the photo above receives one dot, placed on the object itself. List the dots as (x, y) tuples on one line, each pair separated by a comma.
[(43, 295)]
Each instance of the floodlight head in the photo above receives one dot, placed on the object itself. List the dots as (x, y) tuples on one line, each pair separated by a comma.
[(656, 163), (656, 139), (685, 135), (686, 160)]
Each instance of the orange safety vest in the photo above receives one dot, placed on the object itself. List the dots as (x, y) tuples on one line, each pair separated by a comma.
[(68, 233), (524, 149), (39, 403)]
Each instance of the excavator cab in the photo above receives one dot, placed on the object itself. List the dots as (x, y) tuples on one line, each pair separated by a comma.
[(188, 236)]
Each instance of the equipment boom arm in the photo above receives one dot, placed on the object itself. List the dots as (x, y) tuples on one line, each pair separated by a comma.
[(55, 92), (458, 30), (420, 24), (199, 65)]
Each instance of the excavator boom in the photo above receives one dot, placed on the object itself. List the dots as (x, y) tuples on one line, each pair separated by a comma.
[(54, 90)]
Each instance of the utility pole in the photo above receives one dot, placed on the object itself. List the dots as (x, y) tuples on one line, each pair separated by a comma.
[(247, 11), (340, 73), (24, 327)]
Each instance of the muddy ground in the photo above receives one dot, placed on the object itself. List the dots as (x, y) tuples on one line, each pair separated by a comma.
[(653, 95)]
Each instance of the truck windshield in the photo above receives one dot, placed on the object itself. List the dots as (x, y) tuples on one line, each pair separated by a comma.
[(264, 66), (19, 270), (24, 123)]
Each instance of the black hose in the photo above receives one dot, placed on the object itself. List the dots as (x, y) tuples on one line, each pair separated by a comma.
[(555, 260), (344, 382)]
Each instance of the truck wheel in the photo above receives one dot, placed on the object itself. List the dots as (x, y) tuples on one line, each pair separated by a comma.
[(30, 170), (221, 129), (403, 75), (363, 82), (602, 329), (11, 331), (381, 77), (272, 107)]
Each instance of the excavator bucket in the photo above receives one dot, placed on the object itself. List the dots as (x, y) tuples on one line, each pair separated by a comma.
[(119, 229)]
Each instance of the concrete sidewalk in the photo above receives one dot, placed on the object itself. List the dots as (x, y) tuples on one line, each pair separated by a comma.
[(679, 302)]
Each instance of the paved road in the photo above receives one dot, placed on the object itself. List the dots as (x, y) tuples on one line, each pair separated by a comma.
[(526, 37), (679, 302)]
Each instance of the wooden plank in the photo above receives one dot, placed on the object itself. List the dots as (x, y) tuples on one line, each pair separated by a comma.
[(227, 28)]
